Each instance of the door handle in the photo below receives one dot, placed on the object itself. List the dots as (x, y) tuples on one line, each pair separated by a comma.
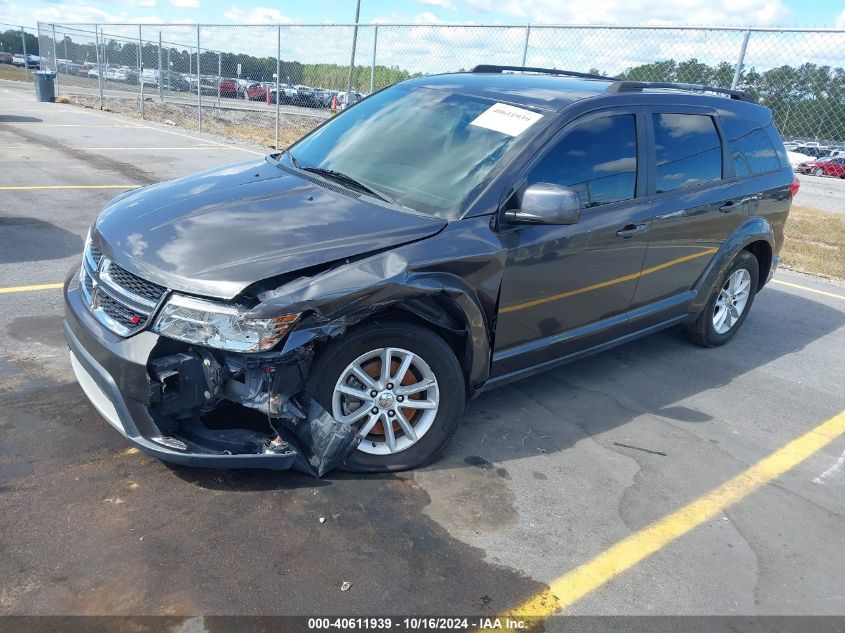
[(631, 230)]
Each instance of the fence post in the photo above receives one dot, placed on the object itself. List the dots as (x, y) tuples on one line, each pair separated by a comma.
[(199, 84), (141, 70), (220, 76), (25, 56), (525, 46), (373, 66), (741, 60), (354, 44), (160, 87), (99, 66), (168, 71), (278, 77), (55, 60)]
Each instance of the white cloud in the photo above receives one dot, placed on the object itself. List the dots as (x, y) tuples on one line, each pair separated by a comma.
[(443, 4), (256, 15), (186, 4), (721, 12)]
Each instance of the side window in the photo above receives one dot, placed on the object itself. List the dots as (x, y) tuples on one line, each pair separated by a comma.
[(596, 158), (688, 150), (751, 146)]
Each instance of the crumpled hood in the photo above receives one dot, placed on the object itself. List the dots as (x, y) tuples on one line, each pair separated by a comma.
[(216, 232)]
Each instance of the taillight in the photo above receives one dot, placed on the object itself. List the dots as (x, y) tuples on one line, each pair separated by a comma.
[(794, 186)]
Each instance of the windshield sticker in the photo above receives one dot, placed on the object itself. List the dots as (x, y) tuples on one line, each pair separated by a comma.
[(506, 119)]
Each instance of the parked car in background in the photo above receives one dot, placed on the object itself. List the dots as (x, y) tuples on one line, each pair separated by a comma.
[(323, 97), (230, 88), (807, 166), (18, 60), (305, 96), (255, 92), (796, 158), (5, 58), (346, 99), (826, 166), (33, 61), (815, 151)]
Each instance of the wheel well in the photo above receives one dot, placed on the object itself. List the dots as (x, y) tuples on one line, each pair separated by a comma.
[(455, 338), (763, 252)]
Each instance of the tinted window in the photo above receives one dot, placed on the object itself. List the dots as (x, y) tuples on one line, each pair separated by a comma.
[(597, 158), (421, 147), (751, 146), (688, 150)]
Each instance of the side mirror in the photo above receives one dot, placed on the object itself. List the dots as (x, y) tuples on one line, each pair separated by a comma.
[(545, 203)]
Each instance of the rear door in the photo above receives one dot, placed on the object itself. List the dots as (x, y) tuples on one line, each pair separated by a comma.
[(697, 204)]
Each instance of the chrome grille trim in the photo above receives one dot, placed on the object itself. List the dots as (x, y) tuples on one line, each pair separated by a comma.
[(111, 303)]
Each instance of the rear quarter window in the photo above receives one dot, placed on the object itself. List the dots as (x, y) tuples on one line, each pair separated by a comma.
[(688, 151), (751, 146)]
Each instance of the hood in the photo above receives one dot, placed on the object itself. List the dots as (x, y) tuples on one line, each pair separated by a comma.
[(216, 232)]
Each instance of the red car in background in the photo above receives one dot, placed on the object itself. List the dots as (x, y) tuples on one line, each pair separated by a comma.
[(230, 88), (829, 166)]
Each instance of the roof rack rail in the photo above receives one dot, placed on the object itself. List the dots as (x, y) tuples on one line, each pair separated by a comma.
[(639, 86), (490, 68)]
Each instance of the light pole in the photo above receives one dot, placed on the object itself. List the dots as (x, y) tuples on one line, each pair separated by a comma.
[(354, 42)]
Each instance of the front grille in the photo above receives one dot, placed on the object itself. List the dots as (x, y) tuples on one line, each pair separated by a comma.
[(134, 284), (123, 314), (95, 254), (120, 300)]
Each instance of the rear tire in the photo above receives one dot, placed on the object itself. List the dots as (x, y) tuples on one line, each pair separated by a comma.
[(729, 304), (428, 357)]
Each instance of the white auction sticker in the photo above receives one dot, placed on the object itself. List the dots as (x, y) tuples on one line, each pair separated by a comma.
[(506, 119)]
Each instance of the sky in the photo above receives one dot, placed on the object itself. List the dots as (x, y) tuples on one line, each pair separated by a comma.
[(820, 13)]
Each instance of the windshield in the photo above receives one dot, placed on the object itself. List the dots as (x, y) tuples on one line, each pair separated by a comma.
[(420, 146)]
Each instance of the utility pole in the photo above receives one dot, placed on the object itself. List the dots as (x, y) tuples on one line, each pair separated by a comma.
[(354, 43)]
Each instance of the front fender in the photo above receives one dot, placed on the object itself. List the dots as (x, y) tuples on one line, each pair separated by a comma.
[(466, 289), (752, 230)]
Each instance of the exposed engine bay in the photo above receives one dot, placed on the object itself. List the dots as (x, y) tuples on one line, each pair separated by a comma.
[(212, 401)]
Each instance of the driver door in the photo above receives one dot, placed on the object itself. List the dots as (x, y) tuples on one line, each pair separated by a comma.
[(567, 288)]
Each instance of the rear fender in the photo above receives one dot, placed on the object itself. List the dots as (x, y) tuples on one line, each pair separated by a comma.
[(753, 230)]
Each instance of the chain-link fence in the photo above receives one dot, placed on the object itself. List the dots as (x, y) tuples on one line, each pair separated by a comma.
[(270, 84), (18, 51)]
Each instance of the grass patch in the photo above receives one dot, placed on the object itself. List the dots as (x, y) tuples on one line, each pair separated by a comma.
[(815, 242), (15, 73)]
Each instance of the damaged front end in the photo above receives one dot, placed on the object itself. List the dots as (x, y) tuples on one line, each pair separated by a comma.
[(218, 402)]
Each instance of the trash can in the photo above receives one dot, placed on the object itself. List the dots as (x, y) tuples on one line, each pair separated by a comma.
[(45, 87)]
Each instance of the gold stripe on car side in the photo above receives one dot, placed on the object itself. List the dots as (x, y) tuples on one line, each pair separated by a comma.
[(605, 284)]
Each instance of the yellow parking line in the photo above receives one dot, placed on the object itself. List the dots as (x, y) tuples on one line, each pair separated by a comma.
[(808, 289), (157, 149), (11, 289), (619, 558), (25, 187), (68, 125)]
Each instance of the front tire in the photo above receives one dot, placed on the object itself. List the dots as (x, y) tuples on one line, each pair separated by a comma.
[(729, 304), (400, 384)]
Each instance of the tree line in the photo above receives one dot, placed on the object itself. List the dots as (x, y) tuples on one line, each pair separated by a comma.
[(807, 101)]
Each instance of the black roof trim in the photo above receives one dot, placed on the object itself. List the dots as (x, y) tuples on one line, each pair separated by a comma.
[(490, 68), (639, 86)]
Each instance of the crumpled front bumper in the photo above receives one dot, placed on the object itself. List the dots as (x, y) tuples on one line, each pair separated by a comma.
[(112, 372)]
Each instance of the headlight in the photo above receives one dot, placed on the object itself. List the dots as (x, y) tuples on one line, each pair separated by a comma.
[(217, 325)]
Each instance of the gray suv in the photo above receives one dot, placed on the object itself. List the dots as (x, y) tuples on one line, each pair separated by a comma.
[(336, 304)]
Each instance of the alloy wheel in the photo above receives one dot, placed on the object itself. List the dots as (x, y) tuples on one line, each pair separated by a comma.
[(733, 297), (391, 395)]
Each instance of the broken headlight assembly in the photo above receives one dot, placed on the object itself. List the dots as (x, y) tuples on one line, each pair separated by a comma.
[(221, 326)]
